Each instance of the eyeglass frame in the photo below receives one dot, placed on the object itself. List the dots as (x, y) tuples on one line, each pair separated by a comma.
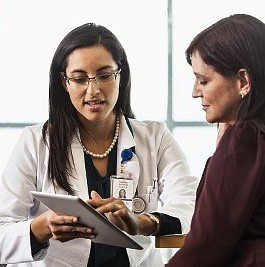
[(67, 79)]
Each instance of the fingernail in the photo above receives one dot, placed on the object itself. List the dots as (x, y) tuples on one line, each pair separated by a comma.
[(75, 220)]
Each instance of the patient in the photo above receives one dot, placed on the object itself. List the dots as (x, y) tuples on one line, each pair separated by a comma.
[(228, 226)]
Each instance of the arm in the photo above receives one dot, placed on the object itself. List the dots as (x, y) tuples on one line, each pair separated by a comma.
[(18, 178), (20, 215), (177, 187), (231, 187)]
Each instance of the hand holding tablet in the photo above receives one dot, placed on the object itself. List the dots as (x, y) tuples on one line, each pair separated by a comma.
[(107, 233)]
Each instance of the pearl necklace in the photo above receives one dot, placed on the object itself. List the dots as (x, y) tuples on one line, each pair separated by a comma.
[(115, 138)]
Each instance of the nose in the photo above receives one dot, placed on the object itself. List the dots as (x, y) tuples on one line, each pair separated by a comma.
[(196, 92), (92, 88)]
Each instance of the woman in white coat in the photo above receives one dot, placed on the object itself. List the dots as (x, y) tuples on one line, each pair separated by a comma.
[(90, 128)]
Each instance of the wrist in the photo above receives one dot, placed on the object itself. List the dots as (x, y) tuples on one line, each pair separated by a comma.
[(40, 231), (153, 224)]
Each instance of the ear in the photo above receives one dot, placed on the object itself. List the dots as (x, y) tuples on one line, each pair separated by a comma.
[(63, 82), (244, 80)]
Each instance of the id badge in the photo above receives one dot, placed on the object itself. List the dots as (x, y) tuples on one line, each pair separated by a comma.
[(122, 187)]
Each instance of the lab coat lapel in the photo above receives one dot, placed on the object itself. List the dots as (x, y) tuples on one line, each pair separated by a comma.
[(79, 182)]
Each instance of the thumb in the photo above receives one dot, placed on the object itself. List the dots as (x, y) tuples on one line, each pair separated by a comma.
[(95, 195)]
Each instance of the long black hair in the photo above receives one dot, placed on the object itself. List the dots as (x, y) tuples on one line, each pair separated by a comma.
[(233, 43), (63, 122)]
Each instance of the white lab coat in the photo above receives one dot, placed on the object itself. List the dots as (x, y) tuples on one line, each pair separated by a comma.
[(157, 155)]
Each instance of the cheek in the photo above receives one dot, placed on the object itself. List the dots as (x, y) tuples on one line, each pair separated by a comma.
[(76, 100), (72, 96), (115, 93)]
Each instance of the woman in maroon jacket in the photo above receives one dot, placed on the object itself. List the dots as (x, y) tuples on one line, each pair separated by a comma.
[(228, 226)]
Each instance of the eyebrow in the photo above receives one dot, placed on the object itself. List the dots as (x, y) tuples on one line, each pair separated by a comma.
[(198, 75), (99, 69)]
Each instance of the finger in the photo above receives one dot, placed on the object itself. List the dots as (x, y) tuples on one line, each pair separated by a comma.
[(125, 221), (115, 220), (63, 219), (111, 206), (66, 229), (95, 195), (100, 202)]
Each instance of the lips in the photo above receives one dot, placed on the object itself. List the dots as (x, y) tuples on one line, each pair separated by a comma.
[(205, 107), (94, 102), (94, 105)]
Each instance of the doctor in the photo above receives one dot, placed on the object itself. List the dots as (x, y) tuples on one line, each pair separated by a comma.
[(91, 134)]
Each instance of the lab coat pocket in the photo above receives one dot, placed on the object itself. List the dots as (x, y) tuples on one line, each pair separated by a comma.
[(150, 200), (69, 253)]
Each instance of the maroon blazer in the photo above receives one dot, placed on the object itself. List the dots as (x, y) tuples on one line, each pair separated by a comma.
[(228, 225)]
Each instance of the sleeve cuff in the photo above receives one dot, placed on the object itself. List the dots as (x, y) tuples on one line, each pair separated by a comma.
[(35, 245), (168, 225)]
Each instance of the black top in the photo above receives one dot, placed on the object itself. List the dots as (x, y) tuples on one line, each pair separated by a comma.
[(104, 255)]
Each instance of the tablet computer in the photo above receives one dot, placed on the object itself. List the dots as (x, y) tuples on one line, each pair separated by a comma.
[(106, 232)]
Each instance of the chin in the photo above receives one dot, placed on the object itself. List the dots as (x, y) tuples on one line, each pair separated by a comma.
[(211, 120)]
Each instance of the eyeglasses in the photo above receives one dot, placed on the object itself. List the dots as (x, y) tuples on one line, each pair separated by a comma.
[(82, 83)]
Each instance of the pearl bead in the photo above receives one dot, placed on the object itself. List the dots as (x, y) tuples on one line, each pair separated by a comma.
[(105, 154)]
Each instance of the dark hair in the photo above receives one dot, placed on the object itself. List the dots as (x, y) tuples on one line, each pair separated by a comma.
[(63, 121), (233, 43)]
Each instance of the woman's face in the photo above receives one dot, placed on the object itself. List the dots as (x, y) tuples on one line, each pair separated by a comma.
[(122, 193), (94, 102), (219, 95)]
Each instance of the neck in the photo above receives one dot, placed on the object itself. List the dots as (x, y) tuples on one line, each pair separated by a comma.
[(95, 146), (98, 130)]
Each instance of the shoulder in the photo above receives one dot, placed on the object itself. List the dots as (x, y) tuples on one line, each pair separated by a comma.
[(242, 136), (243, 130), (154, 133), (148, 125), (35, 130), (32, 135)]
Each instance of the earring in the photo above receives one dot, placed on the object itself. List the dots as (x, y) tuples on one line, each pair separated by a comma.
[(242, 95)]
